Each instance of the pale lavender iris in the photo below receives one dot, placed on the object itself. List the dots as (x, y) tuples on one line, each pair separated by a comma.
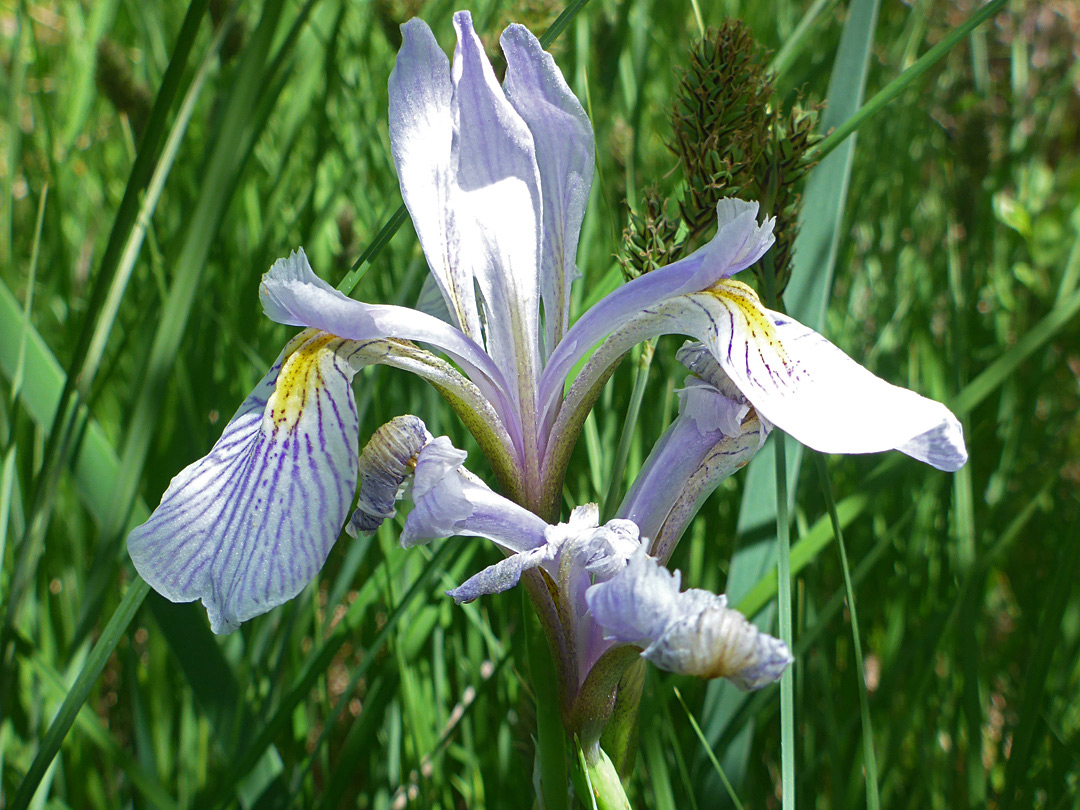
[(496, 179)]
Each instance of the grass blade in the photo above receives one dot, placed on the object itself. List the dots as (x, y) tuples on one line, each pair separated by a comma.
[(80, 690), (873, 799)]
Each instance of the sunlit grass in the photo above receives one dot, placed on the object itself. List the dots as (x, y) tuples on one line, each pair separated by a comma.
[(956, 261)]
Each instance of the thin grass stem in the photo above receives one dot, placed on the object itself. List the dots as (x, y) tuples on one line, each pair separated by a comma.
[(873, 798)]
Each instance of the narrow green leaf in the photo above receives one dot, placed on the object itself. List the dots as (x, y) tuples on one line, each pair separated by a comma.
[(873, 799), (80, 690)]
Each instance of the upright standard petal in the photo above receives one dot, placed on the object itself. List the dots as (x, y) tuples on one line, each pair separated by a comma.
[(497, 211), (421, 132), (691, 633), (563, 138), (292, 294), (738, 243), (248, 526)]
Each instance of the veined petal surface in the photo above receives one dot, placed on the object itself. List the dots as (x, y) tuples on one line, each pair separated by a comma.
[(799, 381), (563, 138), (794, 377), (248, 526), (876, 415), (421, 132), (497, 211)]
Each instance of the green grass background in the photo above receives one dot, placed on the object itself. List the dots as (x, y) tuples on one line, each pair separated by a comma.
[(134, 273)]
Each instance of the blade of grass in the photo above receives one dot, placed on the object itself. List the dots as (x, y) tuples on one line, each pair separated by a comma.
[(873, 799), (708, 751), (992, 377), (787, 634), (618, 466), (1035, 675), (800, 37), (152, 790), (7, 478), (894, 88), (937, 627), (551, 738), (246, 758), (67, 419), (80, 690), (106, 317)]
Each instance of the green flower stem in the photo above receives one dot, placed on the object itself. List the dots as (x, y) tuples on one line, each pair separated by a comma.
[(603, 781), (620, 736), (596, 700), (79, 691), (550, 735)]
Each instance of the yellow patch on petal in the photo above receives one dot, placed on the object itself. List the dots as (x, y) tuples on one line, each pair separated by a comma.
[(299, 378), (741, 300)]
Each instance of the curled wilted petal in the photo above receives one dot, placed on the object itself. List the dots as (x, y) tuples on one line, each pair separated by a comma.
[(386, 461), (692, 633), (248, 526), (502, 576)]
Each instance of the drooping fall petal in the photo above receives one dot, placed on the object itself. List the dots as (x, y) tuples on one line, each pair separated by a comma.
[(247, 527)]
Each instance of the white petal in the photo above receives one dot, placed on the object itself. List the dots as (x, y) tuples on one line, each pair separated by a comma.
[(802, 383), (448, 500), (292, 294), (563, 138), (496, 206), (421, 132), (248, 526), (794, 378)]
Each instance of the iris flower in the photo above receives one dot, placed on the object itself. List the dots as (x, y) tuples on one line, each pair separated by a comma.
[(496, 179)]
